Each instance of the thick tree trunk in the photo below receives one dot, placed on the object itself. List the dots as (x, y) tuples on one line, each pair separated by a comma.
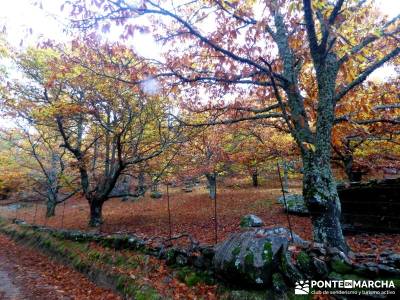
[(212, 184), (322, 200), (96, 217)]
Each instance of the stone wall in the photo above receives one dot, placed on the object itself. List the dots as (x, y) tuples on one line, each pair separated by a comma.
[(372, 206)]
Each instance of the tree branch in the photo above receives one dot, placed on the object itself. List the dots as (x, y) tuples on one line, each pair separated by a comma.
[(360, 79)]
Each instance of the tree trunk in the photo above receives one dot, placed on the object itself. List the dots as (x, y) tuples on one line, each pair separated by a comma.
[(212, 184), (96, 208), (285, 177), (254, 177), (140, 189), (52, 187), (154, 186), (352, 175), (322, 200), (50, 208)]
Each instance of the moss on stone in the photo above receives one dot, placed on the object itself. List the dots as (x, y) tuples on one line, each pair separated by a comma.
[(267, 252), (249, 259), (147, 293), (236, 251), (303, 260), (278, 283), (340, 266)]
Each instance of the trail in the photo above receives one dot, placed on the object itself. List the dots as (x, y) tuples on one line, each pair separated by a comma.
[(25, 273)]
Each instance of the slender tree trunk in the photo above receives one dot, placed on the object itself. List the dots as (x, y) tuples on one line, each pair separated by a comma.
[(126, 182), (352, 175), (52, 187), (154, 186), (96, 215), (212, 183), (141, 187), (285, 177), (254, 178), (51, 208)]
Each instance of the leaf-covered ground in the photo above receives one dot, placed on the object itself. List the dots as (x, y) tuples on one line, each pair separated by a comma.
[(193, 213), (26, 273)]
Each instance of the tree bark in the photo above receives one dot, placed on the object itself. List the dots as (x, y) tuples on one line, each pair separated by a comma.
[(254, 177), (140, 189), (52, 187), (322, 200), (352, 175), (285, 177), (212, 183), (50, 208), (96, 213)]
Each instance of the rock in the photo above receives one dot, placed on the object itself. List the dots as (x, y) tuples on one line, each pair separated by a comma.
[(289, 269), (340, 265), (250, 258), (394, 260), (320, 267), (295, 204), (251, 221), (181, 260), (156, 195), (13, 206), (247, 295), (19, 222), (278, 284), (187, 189)]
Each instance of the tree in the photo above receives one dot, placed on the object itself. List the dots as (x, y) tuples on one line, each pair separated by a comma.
[(45, 163), (204, 155), (367, 131), (106, 125), (315, 41), (254, 147)]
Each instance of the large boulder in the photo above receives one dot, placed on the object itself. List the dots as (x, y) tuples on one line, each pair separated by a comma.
[(295, 204), (250, 258), (251, 221)]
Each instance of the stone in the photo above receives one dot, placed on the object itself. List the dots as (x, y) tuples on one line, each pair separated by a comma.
[(156, 195), (320, 267), (251, 221), (278, 284), (250, 257), (394, 260), (181, 260), (295, 204)]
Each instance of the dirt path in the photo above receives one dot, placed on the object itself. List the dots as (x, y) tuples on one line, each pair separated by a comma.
[(26, 273)]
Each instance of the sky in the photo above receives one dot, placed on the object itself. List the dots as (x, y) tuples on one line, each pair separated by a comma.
[(21, 16), (25, 22)]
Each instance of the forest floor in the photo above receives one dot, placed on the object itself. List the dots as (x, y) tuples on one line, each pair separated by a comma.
[(25, 273), (193, 213)]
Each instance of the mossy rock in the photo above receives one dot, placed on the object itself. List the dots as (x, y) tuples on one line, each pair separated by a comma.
[(246, 295), (278, 283), (156, 195), (250, 258), (251, 221), (340, 266), (295, 204)]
